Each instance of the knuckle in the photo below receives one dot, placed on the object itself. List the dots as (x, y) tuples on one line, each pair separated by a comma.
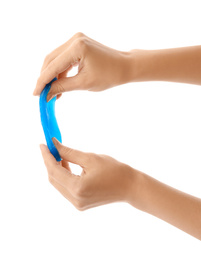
[(47, 59), (51, 172), (90, 158), (79, 191), (53, 68), (79, 35), (50, 179), (67, 151), (40, 81), (58, 87), (79, 204), (81, 44)]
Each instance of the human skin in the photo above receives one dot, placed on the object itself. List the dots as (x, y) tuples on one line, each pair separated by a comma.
[(103, 179)]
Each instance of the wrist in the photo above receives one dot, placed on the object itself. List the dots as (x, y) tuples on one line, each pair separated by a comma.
[(135, 187), (126, 69), (131, 66), (141, 65)]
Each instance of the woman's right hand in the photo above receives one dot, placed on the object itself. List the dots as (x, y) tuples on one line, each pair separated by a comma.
[(99, 67)]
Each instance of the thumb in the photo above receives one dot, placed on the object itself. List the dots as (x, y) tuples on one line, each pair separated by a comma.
[(63, 85), (69, 154)]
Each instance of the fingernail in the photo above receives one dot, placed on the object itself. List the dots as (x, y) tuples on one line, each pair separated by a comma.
[(49, 97), (54, 140)]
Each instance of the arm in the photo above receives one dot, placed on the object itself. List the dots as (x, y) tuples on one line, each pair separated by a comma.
[(171, 205), (177, 65), (105, 180)]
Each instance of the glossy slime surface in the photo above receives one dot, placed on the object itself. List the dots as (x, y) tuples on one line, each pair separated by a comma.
[(48, 120)]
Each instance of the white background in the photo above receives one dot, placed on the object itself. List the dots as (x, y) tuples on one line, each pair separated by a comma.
[(153, 126)]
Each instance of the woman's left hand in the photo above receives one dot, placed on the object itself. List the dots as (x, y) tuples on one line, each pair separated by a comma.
[(103, 179)]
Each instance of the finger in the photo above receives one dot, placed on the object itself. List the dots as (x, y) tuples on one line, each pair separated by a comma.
[(62, 190), (49, 160), (56, 171), (66, 165), (70, 155), (63, 74), (50, 57), (58, 96), (57, 89), (55, 67), (65, 84)]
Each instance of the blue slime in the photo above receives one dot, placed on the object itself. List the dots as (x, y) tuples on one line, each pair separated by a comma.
[(48, 120)]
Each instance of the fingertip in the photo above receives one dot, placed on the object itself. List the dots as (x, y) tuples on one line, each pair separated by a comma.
[(54, 138), (59, 95), (34, 93), (48, 158), (43, 147), (49, 97), (55, 141)]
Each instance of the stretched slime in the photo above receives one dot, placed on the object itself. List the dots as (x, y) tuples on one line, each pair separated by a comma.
[(48, 120)]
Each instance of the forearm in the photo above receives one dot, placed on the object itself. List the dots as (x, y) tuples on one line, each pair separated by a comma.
[(171, 205), (176, 65)]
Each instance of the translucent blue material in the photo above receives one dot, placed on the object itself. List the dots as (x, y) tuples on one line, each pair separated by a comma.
[(48, 120)]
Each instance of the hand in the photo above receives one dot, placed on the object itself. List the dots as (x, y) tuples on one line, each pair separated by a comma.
[(103, 179), (100, 67)]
